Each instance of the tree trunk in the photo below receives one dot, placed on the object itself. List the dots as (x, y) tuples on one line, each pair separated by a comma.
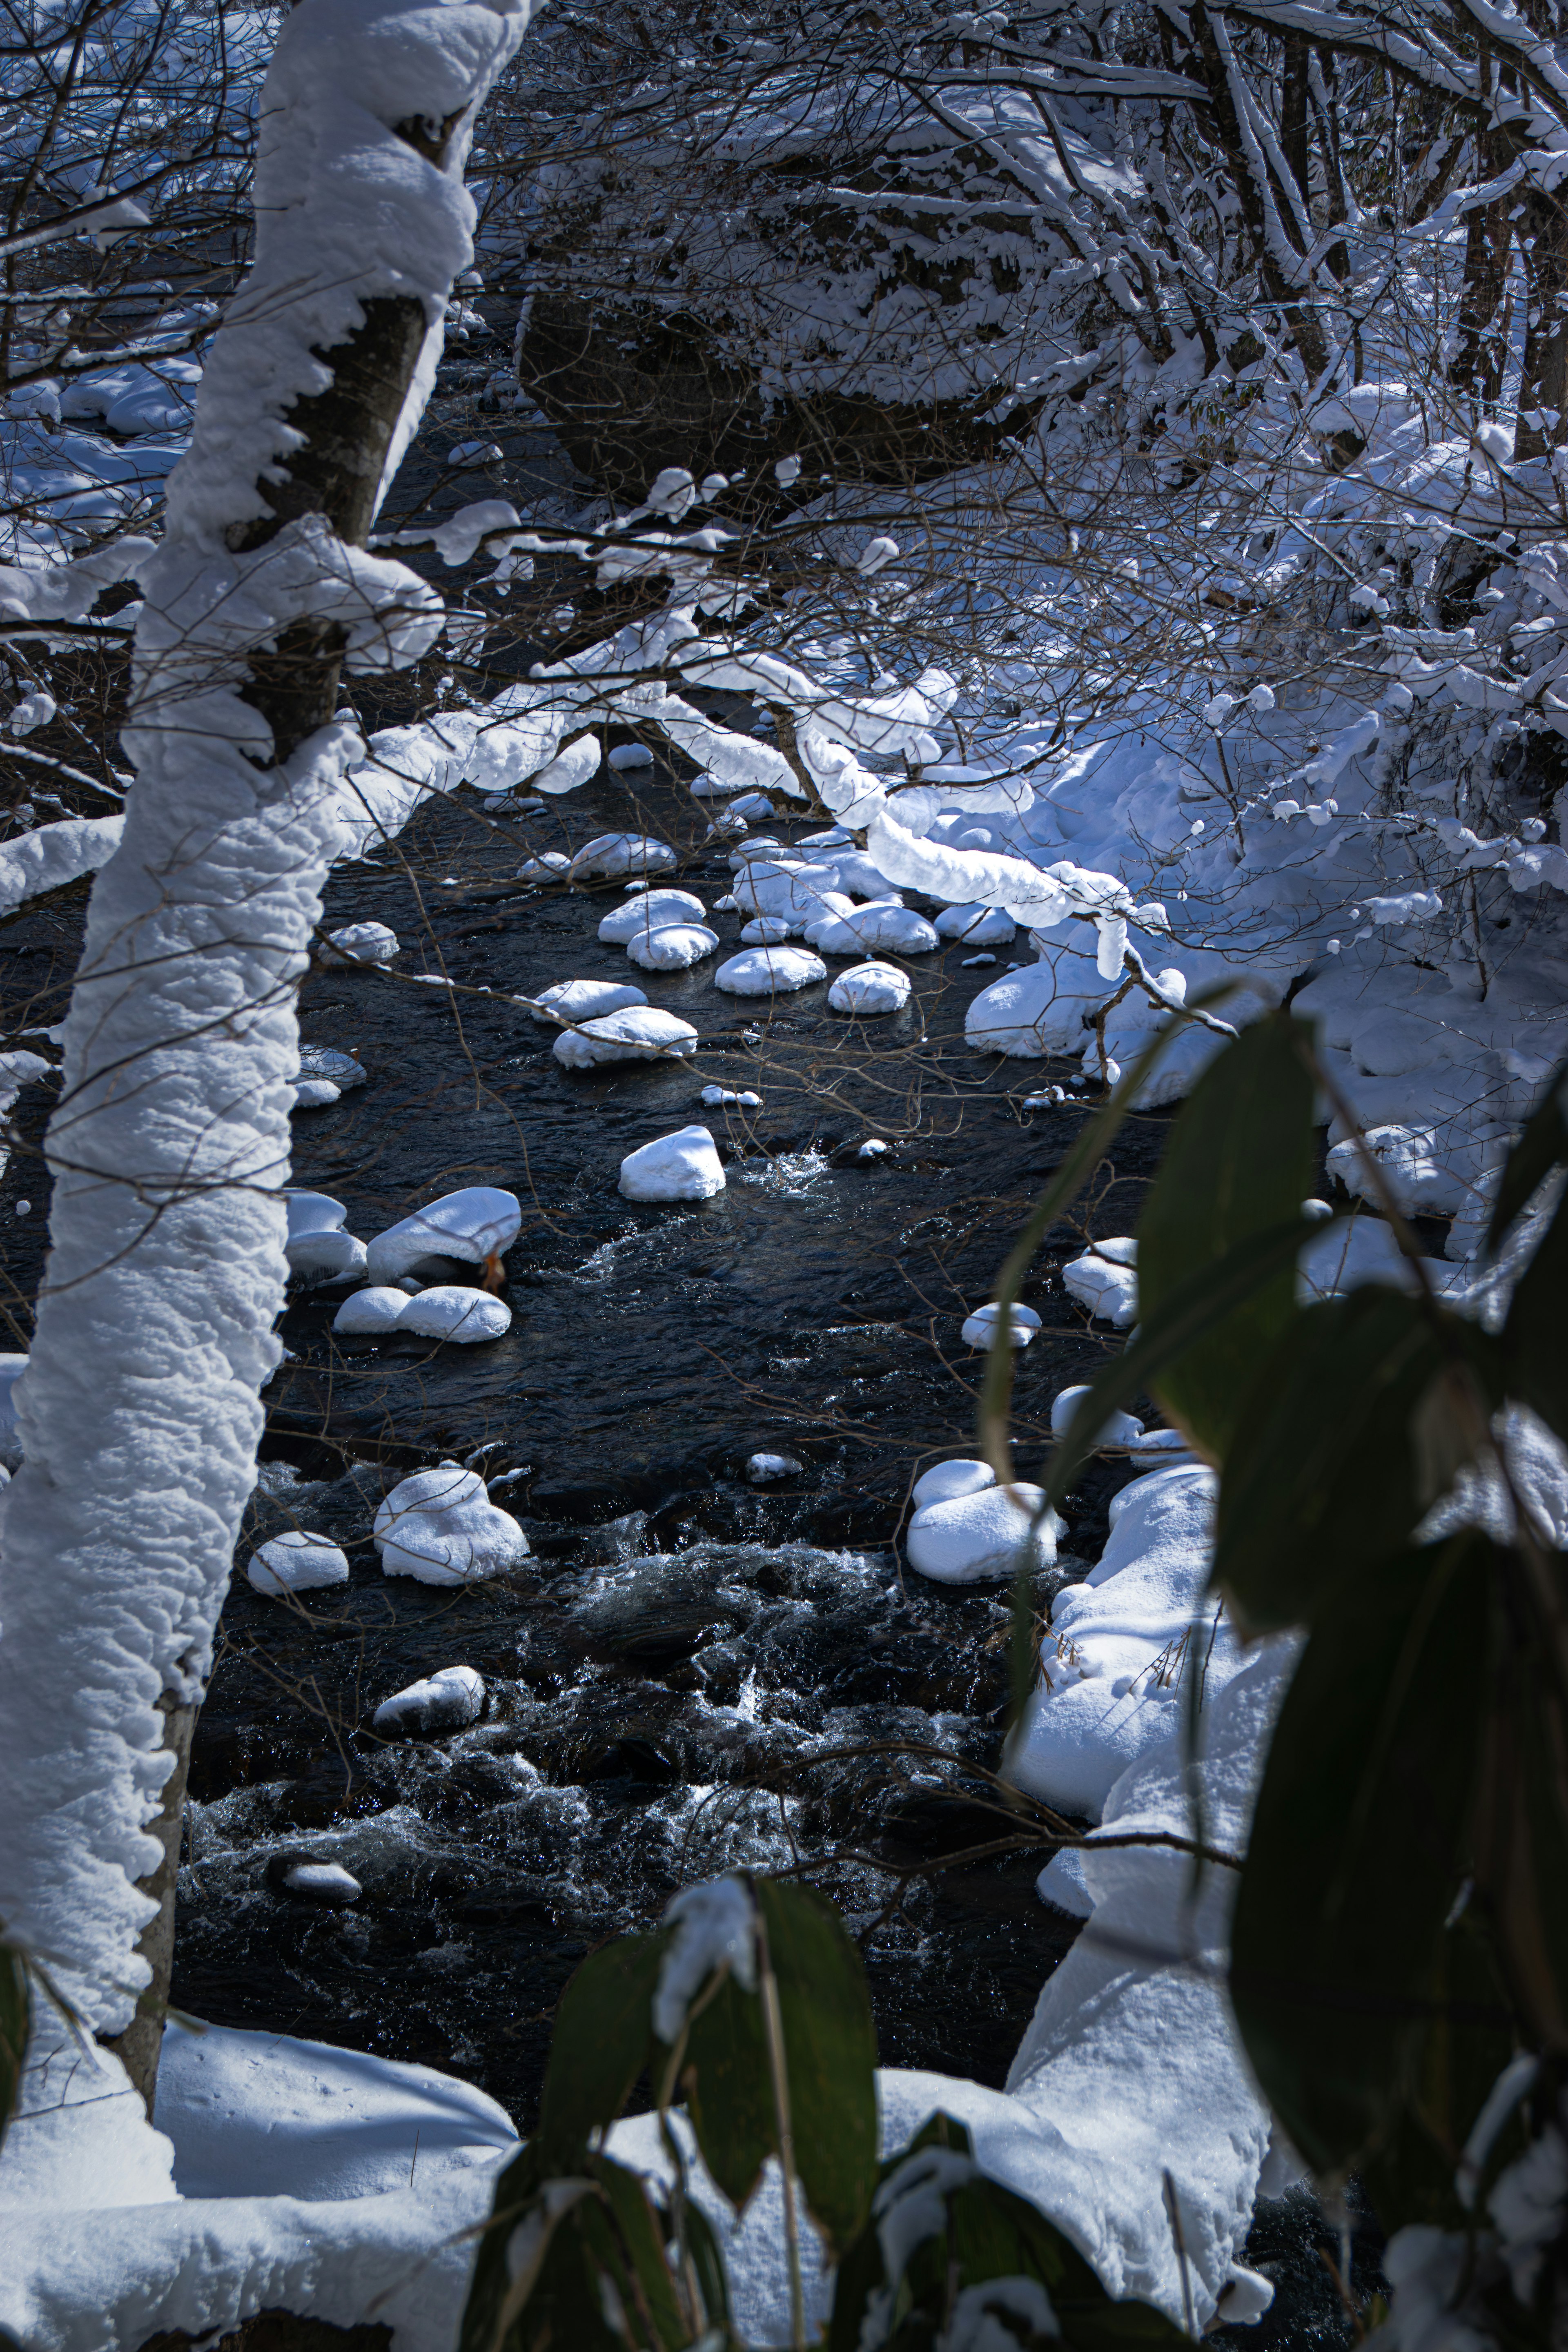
[(139, 1410)]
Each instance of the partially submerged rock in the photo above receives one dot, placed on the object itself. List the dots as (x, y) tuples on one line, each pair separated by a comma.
[(680, 1167), (296, 1562), (476, 1223), (440, 1527), (446, 1701)]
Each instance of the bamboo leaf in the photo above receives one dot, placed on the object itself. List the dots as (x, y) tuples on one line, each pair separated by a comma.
[(602, 2039), (1542, 1146), (728, 2089), (830, 2046)]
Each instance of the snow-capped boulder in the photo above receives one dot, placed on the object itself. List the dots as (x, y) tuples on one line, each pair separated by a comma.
[(978, 926), (450, 1310), (948, 1480), (765, 931), (643, 1032), (611, 854), (317, 1248), (476, 1223), (585, 1000), (769, 971), (371, 943), (441, 1527), (646, 911), (1105, 1280), (673, 947), (888, 925), (1022, 1324), (370, 1314), (977, 1538), (870, 988), (680, 1167), (446, 1701), (296, 1562)]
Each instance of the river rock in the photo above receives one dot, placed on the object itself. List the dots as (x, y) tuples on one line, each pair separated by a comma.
[(611, 854), (870, 988), (585, 1000), (885, 924), (296, 1562), (370, 1314), (317, 1248), (451, 1310), (975, 1538), (440, 1527), (765, 931), (446, 1701), (320, 1882), (371, 943), (645, 1033), (1022, 1324), (1117, 1428), (1105, 1280), (646, 911), (680, 1167), (673, 947), (978, 926), (766, 1469), (769, 971), (476, 1223), (948, 1480)]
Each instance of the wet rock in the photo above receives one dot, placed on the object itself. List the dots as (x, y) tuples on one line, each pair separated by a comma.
[(444, 1701)]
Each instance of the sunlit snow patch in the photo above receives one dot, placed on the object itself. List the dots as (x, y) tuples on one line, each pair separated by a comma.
[(318, 1249), (646, 911), (1105, 1280), (883, 924), (870, 988), (977, 1537), (585, 1000), (672, 947)]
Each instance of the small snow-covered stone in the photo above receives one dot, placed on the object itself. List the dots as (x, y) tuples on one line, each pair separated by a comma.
[(340, 1071), (769, 971), (973, 1539), (643, 1032), (549, 867), (440, 1527), (719, 1097), (322, 1882), (1106, 1285), (474, 1224), (765, 1469), (611, 854), (873, 1148), (785, 886), (370, 1314), (870, 988), (646, 911), (585, 1000), (880, 925), (673, 947), (1022, 1324), (363, 943), (948, 1480), (978, 926), (680, 1167), (296, 1562), (1118, 1429), (315, 1094), (448, 1310), (446, 1701), (630, 755), (857, 874), (765, 931), (325, 1256)]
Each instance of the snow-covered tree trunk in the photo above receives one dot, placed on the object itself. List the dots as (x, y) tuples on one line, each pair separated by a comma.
[(139, 1409)]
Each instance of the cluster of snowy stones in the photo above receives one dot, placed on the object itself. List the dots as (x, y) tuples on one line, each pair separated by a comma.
[(475, 1225), (439, 1526)]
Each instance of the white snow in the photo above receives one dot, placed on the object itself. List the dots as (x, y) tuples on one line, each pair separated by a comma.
[(1126, 1643), (317, 1248), (672, 947), (53, 854), (723, 1098), (448, 1310), (296, 1562), (950, 1479), (611, 854), (978, 926), (570, 769), (1022, 1324), (978, 1536), (641, 1033), (441, 1527), (12, 1367), (1105, 1283), (371, 1313), (880, 925), (714, 1925), (325, 1882), (765, 931), (648, 911), (769, 971), (444, 1701), (476, 1223), (364, 944), (630, 755), (680, 1167), (870, 988), (584, 1000), (1117, 1428)]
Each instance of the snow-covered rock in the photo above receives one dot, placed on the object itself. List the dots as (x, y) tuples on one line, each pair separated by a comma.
[(673, 947), (441, 1527), (797, 893), (610, 855), (888, 926), (321, 1882), (476, 1223), (370, 1314), (1113, 1687), (978, 926), (766, 1469), (646, 911), (317, 1248), (324, 1074), (769, 971), (723, 1099), (765, 931), (585, 1000), (630, 755), (571, 767), (296, 1562), (858, 874), (870, 988), (450, 1310), (1022, 1324), (1027, 1014), (975, 1538), (363, 943), (948, 1480), (549, 865), (643, 1032), (444, 1701), (1117, 1428), (680, 1167), (1105, 1280)]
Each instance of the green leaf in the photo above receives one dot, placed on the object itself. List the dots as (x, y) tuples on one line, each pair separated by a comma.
[(16, 2007), (830, 2046), (602, 2039), (728, 2086), (1332, 1466), (1238, 1164), (1193, 1310), (1361, 1843), (1535, 1361), (1541, 1147)]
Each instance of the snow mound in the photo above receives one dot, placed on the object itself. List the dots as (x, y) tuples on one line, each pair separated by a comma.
[(769, 971), (881, 925), (1105, 1283), (631, 755), (638, 1034), (569, 768), (723, 1098), (476, 1223), (370, 1314), (673, 947), (585, 1000), (978, 926), (361, 943), (611, 854), (799, 894), (1116, 1683), (444, 1701), (296, 1562), (765, 931), (450, 1310), (680, 1167), (317, 1248), (766, 1469), (975, 1538), (870, 988), (948, 1480), (861, 876), (322, 1882), (441, 1527), (1022, 1324), (1026, 1015), (324, 1074), (1118, 1429), (646, 911)]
